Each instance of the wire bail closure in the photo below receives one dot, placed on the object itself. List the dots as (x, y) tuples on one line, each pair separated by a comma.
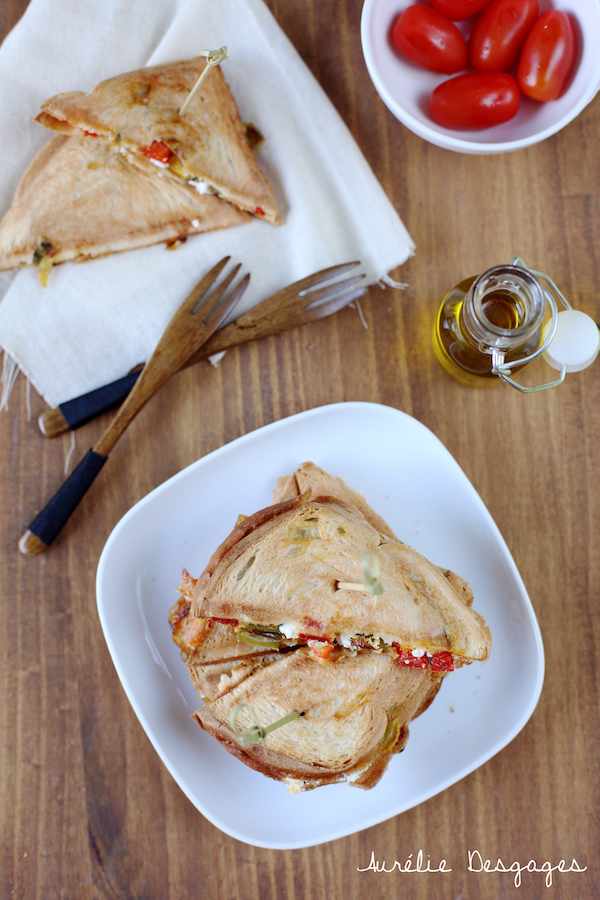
[(503, 370)]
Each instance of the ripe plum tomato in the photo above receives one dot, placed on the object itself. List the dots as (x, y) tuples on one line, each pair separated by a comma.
[(475, 100), (458, 10), (499, 33), (547, 57), (429, 39)]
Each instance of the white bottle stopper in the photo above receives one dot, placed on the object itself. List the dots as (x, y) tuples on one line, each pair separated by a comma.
[(576, 342)]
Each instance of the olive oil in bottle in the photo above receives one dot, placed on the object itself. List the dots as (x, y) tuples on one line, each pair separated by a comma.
[(488, 321)]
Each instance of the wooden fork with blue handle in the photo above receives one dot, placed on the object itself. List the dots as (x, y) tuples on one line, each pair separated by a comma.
[(197, 318)]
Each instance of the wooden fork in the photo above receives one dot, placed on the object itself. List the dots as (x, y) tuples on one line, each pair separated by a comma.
[(299, 303), (189, 328)]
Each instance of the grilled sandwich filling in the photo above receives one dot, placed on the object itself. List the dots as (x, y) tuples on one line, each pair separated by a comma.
[(278, 637), (161, 155), (253, 644), (189, 631)]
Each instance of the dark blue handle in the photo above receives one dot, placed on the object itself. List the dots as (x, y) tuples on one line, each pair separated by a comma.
[(83, 409), (56, 512)]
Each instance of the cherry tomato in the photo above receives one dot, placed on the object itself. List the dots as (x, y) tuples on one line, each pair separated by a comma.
[(547, 57), (430, 40), (499, 33), (475, 100), (458, 10)]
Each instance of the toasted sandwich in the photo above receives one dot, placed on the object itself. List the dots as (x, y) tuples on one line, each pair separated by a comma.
[(137, 115), (355, 715), (369, 702), (214, 656), (287, 569), (78, 200), (283, 623), (309, 477)]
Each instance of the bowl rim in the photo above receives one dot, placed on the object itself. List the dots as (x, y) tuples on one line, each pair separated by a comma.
[(448, 141)]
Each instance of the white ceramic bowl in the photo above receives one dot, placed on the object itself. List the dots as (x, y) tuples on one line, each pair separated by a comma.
[(405, 88)]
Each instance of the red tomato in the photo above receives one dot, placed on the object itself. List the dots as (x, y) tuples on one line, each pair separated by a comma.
[(499, 33), (458, 10), (430, 40), (475, 100), (548, 56)]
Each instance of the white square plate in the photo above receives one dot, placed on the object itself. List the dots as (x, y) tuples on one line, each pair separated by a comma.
[(407, 476)]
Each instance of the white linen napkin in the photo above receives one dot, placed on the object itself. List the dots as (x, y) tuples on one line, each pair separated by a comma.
[(96, 320)]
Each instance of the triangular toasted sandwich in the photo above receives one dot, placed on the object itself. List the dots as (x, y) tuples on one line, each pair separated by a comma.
[(78, 200), (370, 701), (137, 114), (297, 568), (287, 640), (355, 712), (309, 477)]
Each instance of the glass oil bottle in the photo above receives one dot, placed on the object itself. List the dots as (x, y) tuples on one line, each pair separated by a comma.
[(489, 321)]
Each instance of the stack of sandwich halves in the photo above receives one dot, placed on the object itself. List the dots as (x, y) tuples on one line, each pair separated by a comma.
[(128, 168), (314, 636)]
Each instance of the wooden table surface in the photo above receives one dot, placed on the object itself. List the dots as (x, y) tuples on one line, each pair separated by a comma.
[(87, 809)]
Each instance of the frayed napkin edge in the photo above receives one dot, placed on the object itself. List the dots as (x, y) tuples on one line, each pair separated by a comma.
[(11, 367)]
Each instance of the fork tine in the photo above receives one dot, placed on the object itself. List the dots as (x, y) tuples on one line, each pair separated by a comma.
[(334, 305), (318, 277), (197, 293), (215, 295), (316, 296), (224, 305)]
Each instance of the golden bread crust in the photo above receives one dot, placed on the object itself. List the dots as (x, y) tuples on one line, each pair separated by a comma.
[(349, 703), (283, 566), (133, 110), (309, 477), (78, 200)]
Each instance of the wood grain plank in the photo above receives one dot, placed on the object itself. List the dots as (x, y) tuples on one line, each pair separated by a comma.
[(88, 810)]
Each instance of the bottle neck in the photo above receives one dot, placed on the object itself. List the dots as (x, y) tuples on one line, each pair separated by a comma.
[(503, 309)]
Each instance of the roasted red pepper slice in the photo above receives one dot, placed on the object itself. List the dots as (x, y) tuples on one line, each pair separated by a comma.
[(320, 648), (405, 658), (442, 662), (158, 151)]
